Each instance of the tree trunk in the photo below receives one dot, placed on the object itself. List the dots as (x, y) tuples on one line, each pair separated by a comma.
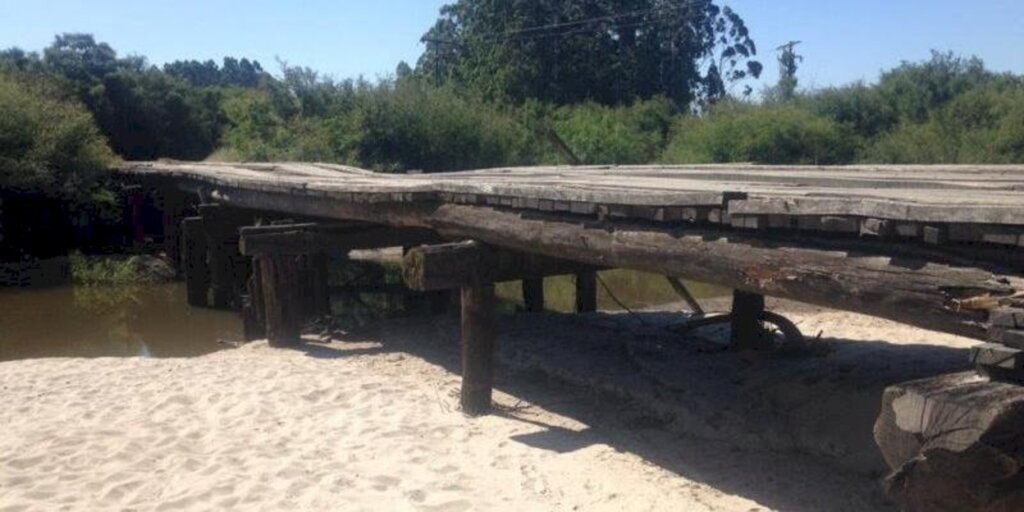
[(955, 443), (919, 292)]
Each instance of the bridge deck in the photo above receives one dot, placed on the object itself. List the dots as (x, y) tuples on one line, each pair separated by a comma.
[(938, 203)]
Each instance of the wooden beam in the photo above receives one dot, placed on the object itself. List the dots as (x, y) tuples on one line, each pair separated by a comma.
[(477, 347), (193, 261), (586, 292), (944, 294), (954, 442), (315, 238), (533, 294), (454, 265)]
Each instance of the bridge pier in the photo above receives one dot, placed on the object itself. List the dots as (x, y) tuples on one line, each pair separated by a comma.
[(473, 268), (289, 285), (194, 247), (586, 291), (533, 295)]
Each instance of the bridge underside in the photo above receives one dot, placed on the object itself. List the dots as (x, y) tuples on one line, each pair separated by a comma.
[(936, 247)]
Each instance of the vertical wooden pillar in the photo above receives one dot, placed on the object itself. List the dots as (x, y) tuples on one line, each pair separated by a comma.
[(253, 310), (586, 292), (193, 261), (533, 295), (478, 332), (136, 200), (747, 311), (282, 298), (316, 291), (173, 211), (226, 262)]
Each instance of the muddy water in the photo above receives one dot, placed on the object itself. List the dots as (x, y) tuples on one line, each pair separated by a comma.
[(154, 321)]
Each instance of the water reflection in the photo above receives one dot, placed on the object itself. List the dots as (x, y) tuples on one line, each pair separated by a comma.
[(150, 321), (156, 321)]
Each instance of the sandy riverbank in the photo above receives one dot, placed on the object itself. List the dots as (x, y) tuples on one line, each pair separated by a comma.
[(371, 424)]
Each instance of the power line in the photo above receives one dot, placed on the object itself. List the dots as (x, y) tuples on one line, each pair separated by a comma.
[(510, 34)]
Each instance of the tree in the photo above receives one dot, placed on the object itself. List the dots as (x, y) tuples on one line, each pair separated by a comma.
[(611, 52), (144, 112)]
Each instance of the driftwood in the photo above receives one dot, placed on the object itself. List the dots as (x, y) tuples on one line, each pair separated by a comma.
[(955, 443), (455, 265), (837, 274)]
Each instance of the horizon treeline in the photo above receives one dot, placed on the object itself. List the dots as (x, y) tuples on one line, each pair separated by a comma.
[(67, 112)]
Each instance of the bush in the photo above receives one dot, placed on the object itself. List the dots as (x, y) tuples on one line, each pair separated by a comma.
[(766, 135), (49, 144), (412, 125), (599, 134)]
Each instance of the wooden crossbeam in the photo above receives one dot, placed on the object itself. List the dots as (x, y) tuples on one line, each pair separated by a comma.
[(317, 238), (455, 265)]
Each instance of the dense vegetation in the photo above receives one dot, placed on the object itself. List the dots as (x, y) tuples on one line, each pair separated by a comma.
[(496, 80)]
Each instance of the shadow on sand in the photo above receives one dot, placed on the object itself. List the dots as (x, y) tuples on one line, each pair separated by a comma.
[(789, 433)]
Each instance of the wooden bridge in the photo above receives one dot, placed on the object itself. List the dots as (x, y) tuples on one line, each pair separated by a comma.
[(940, 247)]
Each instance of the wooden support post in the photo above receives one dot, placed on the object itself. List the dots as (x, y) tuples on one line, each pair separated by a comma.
[(954, 442), (533, 294), (282, 298), (478, 332), (586, 292), (253, 309), (316, 289), (193, 261), (747, 311), (136, 200), (173, 211), (226, 263)]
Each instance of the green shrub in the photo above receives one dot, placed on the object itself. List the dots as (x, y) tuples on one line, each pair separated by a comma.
[(765, 134), (113, 270), (985, 125), (412, 125), (49, 144), (599, 134)]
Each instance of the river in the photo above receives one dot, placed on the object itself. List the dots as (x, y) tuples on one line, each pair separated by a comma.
[(156, 320)]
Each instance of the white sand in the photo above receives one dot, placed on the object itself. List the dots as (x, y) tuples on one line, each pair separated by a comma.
[(264, 429), (358, 426)]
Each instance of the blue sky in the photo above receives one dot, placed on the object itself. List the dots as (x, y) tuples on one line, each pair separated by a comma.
[(842, 40)]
